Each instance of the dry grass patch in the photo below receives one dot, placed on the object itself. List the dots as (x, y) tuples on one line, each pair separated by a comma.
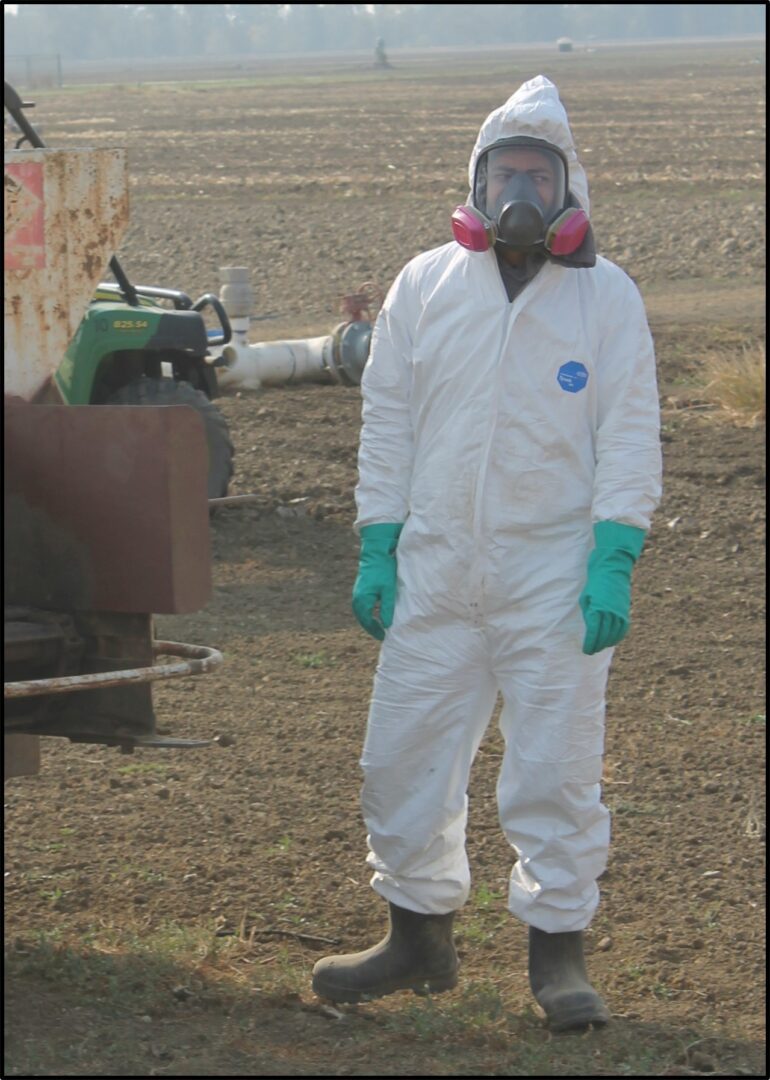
[(737, 383)]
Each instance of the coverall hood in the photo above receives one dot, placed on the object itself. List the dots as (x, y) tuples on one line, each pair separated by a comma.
[(535, 110)]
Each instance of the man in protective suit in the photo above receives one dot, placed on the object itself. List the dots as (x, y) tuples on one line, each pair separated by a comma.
[(509, 466)]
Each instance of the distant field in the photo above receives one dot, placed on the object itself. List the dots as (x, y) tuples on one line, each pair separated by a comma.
[(226, 67)]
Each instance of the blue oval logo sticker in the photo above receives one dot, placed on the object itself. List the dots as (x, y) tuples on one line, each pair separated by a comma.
[(572, 376)]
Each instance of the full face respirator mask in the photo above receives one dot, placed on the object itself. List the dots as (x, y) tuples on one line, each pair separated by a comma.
[(521, 200)]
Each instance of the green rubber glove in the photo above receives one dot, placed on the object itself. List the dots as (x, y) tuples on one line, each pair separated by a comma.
[(376, 581), (606, 598)]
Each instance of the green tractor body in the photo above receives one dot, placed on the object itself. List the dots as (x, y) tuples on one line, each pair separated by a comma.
[(148, 354)]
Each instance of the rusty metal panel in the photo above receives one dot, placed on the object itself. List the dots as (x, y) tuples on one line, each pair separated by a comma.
[(106, 508), (21, 755), (65, 214)]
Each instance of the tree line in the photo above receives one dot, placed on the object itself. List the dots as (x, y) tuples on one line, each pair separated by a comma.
[(102, 31)]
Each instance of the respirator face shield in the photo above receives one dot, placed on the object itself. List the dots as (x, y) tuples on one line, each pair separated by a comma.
[(520, 199), (520, 172)]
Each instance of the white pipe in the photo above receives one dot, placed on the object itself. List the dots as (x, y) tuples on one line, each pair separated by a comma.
[(272, 363), (266, 363), (338, 357)]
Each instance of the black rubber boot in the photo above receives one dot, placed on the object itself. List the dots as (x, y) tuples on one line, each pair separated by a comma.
[(417, 954), (557, 975)]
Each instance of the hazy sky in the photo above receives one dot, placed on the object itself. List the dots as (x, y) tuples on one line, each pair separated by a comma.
[(102, 32)]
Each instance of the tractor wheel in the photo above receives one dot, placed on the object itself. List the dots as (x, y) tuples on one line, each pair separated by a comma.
[(147, 391)]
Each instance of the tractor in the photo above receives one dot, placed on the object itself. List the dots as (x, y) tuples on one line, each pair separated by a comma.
[(106, 505)]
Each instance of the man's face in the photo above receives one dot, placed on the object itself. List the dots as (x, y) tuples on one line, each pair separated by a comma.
[(540, 167)]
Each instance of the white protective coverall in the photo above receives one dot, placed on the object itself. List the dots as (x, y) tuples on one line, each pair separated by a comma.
[(476, 436)]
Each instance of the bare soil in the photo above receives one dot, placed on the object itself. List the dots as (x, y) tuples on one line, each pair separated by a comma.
[(319, 183)]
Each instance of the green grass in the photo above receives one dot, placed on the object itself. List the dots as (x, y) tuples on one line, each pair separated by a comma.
[(314, 660), (712, 915), (143, 767), (229, 1001), (281, 846), (485, 897), (628, 809)]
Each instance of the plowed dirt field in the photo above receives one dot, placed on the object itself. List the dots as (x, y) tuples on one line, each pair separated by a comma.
[(122, 871)]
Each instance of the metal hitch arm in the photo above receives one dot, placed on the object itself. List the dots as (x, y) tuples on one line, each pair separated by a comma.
[(199, 660)]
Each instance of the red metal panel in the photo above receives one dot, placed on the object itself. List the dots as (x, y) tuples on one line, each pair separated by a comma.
[(25, 218), (106, 508)]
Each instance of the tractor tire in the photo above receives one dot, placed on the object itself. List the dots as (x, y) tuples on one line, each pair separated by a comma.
[(146, 391)]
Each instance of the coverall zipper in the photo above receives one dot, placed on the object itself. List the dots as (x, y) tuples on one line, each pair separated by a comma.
[(477, 580)]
